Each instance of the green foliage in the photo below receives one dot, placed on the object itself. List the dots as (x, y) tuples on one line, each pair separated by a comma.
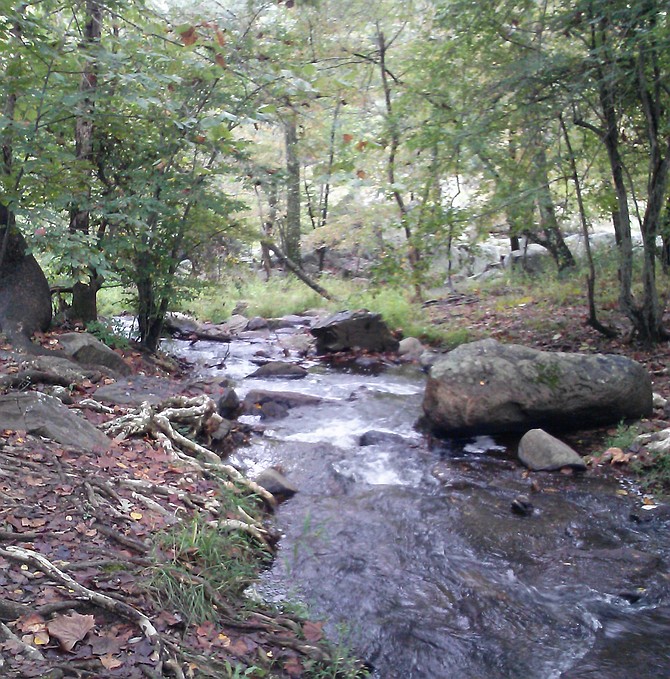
[(114, 300), (110, 333), (654, 473), (623, 437)]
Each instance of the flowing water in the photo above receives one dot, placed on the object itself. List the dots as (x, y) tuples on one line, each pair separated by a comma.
[(411, 551)]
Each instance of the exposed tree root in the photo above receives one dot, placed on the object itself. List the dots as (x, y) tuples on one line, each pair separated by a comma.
[(199, 412), (36, 560)]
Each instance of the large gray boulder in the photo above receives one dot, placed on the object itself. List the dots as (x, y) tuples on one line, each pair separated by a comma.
[(25, 298), (89, 350), (349, 330), (487, 387), (46, 416)]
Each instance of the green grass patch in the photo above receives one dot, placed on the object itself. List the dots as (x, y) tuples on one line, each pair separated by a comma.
[(623, 437)]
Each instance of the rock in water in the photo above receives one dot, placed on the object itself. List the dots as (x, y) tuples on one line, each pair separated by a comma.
[(279, 369), (350, 330), (487, 387), (540, 451)]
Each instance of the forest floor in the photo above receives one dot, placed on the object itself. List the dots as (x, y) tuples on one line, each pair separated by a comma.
[(91, 552), (130, 563)]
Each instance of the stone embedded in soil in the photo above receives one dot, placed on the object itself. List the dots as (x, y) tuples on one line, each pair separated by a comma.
[(46, 416), (88, 350)]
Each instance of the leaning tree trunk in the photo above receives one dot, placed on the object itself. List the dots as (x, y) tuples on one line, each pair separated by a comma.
[(550, 237)]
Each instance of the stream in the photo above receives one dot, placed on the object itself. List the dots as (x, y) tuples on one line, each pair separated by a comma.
[(412, 555)]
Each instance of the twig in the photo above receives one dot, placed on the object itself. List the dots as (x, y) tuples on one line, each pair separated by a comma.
[(29, 650), (36, 560)]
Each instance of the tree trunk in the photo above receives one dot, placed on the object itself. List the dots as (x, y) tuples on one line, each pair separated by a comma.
[(591, 277), (294, 268), (84, 295), (413, 254), (292, 235), (150, 314), (551, 237)]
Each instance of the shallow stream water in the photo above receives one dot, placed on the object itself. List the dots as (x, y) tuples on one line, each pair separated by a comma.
[(412, 554)]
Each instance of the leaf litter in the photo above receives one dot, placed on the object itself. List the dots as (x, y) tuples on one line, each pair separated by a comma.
[(77, 538)]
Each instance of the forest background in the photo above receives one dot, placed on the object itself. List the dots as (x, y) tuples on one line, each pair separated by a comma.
[(138, 136)]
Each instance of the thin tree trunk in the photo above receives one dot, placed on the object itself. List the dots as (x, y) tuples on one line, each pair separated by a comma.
[(84, 295), (413, 253), (551, 237), (591, 277), (292, 236), (295, 269)]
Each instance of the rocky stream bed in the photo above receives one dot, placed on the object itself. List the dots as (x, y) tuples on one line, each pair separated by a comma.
[(408, 549)]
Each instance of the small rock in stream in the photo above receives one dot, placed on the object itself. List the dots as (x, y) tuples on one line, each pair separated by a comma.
[(229, 405), (276, 483), (280, 369), (522, 505), (374, 438), (540, 451)]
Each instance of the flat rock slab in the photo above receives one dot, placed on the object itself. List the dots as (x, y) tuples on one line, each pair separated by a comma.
[(280, 369), (46, 416), (256, 398), (540, 451), (487, 387), (135, 390)]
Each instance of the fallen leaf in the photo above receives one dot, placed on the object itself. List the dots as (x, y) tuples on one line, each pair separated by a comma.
[(293, 667), (31, 623), (69, 629), (110, 662), (313, 631), (42, 638)]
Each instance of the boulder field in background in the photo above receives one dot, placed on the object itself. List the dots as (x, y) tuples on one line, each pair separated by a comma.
[(486, 387)]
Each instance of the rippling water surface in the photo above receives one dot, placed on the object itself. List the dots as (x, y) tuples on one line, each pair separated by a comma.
[(412, 552)]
